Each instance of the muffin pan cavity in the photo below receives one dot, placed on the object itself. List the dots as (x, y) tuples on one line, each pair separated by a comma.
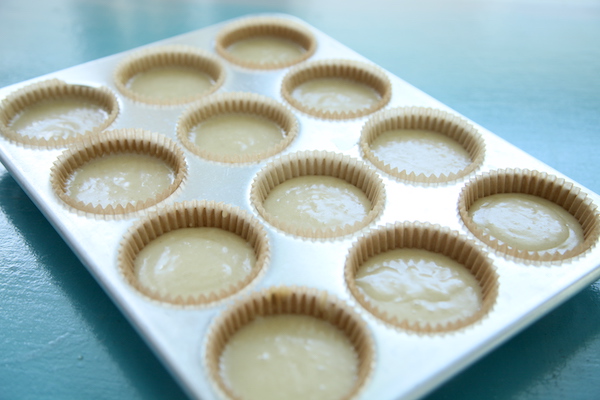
[(169, 75), (423, 145), (118, 172), (53, 113), (237, 128), (265, 43), (194, 253), (256, 349), (336, 89)]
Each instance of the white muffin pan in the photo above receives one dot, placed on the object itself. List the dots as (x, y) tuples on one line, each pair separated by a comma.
[(407, 365)]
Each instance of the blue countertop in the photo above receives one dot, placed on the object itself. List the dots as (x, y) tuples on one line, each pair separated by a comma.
[(528, 70)]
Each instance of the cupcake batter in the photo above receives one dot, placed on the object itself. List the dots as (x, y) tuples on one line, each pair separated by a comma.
[(266, 50), (292, 357), (527, 222), (193, 261), (58, 118), (236, 133), (119, 179), (335, 94), (170, 82), (419, 286), (317, 202), (420, 151)]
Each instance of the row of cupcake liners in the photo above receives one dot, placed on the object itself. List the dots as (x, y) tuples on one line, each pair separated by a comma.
[(179, 333)]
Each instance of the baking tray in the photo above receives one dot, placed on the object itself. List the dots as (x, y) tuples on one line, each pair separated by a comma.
[(407, 365)]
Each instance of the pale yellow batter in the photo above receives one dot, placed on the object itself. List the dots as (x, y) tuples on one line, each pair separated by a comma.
[(419, 286), (527, 222), (58, 118), (119, 179), (266, 50), (317, 202), (335, 94), (193, 261), (420, 151), (170, 82), (236, 133), (292, 357)]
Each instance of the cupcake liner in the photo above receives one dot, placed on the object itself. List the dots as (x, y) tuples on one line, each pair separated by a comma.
[(120, 141), (168, 56), (435, 120), (540, 184), (296, 301), (318, 163), (354, 71), (192, 214), (264, 26), (237, 103), (432, 238), (54, 90)]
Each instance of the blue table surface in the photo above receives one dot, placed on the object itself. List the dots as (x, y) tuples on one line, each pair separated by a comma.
[(528, 70)]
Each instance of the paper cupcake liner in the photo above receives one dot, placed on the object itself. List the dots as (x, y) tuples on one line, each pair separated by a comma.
[(295, 301), (433, 238), (230, 103), (194, 214), (535, 183), (348, 69), (430, 119), (264, 26), (318, 163), (120, 141), (54, 89), (163, 56)]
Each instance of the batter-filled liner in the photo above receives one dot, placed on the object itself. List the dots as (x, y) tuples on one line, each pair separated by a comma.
[(450, 148), (209, 227), (254, 127), (265, 43), (307, 305), (169, 75), (560, 202), (414, 298), (342, 176), (126, 146), (325, 88), (54, 113)]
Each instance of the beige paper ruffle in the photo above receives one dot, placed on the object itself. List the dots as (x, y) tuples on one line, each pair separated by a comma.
[(355, 71), (264, 26), (289, 300), (237, 103), (120, 141), (431, 119), (317, 163), (535, 183), (433, 238), (54, 89), (194, 214), (168, 56)]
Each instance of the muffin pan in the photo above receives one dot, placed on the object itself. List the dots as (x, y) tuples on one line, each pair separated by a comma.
[(296, 270)]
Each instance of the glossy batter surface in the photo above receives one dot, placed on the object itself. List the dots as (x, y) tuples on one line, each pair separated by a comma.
[(172, 82), (193, 261), (335, 94), (236, 133), (266, 49), (293, 357), (58, 118), (420, 151), (119, 179), (419, 286), (317, 202), (527, 222)]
